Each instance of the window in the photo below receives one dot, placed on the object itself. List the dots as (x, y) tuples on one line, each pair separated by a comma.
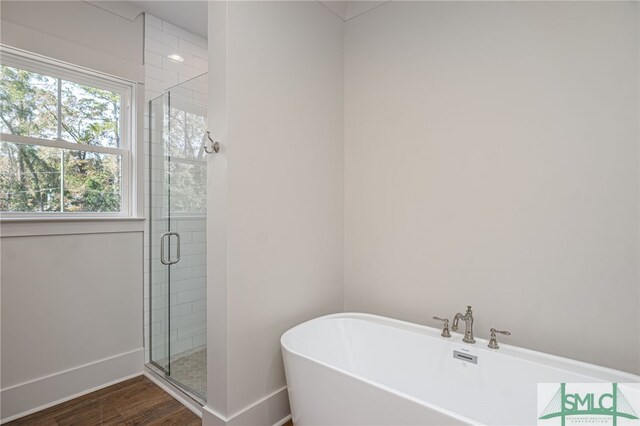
[(66, 140)]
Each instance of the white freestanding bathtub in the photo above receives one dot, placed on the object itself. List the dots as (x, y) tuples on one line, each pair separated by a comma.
[(359, 369)]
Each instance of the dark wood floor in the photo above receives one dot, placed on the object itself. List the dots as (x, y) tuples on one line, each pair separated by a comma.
[(133, 402)]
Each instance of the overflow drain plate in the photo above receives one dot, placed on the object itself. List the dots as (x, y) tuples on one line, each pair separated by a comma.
[(473, 359)]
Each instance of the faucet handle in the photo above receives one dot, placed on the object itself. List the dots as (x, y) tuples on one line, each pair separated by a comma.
[(493, 341), (445, 328)]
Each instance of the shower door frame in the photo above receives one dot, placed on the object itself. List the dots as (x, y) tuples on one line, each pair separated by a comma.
[(165, 370), (155, 365)]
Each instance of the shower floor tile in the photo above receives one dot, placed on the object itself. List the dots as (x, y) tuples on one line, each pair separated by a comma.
[(190, 369)]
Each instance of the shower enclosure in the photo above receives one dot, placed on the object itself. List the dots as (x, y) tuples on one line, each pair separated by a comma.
[(177, 236)]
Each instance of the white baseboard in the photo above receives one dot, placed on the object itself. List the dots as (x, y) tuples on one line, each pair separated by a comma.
[(44, 392), (273, 409), (187, 402), (283, 421)]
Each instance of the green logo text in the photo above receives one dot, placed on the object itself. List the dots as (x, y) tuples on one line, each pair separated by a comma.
[(613, 404)]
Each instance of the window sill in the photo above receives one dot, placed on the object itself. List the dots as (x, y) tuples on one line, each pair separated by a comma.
[(32, 226)]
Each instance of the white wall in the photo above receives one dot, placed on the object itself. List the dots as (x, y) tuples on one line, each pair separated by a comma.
[(29, 279), (284, 154), (71, 291), (71, 309), (492, 159), (74, 31)]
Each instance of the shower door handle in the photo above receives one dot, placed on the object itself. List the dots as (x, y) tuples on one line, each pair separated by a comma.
[(167, 235)]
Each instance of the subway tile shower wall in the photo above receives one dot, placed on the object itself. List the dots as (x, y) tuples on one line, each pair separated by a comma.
[(187, 295), (163, 39)]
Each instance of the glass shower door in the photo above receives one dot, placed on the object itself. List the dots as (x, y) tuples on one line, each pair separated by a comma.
[(177, 174)]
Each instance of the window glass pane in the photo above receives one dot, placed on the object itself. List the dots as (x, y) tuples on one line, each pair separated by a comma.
[(53, 178), (89, 115), (29, 178), (92, 182), (28, 103)]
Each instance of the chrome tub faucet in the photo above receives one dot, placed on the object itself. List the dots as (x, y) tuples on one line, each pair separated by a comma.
[(445, 327), (468, 323), (493, 342)]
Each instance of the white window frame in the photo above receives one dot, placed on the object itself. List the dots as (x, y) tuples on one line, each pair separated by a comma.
[(127, 149)]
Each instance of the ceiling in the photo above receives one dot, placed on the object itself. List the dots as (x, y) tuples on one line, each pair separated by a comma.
[(186, 14), (349, 9), (191, 15)]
